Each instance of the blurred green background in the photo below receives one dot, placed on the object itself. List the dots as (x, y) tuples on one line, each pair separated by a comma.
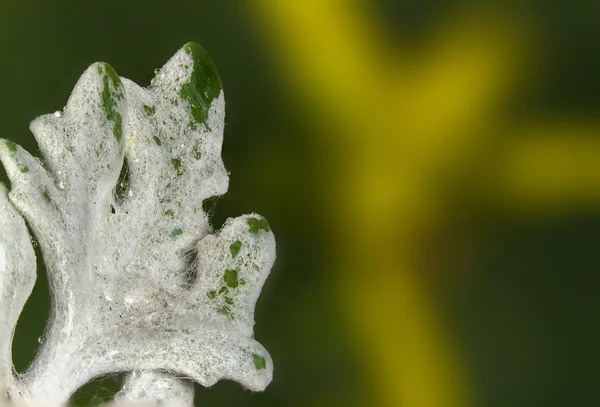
[(431, 171)]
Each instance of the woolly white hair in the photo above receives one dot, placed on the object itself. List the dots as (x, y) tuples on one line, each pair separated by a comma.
[(139, 282)]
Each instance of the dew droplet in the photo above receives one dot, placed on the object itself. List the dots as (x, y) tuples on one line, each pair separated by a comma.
[(58, 113), (41, 340), (156, 71)]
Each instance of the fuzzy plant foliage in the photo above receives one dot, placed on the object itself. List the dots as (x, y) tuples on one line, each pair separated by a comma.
[(139, 282)]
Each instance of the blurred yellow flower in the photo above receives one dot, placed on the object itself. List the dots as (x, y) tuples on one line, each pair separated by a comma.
[(397, 128)]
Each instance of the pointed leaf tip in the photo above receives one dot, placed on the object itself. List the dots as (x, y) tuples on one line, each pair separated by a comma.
[(204, 84), (112, 91)]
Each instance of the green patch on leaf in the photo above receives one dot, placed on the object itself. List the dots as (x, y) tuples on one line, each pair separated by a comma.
[(46, 196), (176, 165), (123, 182), (235, 248), (169, 212), (197, 153), (110, 95), (149, 109), (212, 294), (11, 146), (231, 278), (24, 168), (229, 300), (204, 84), (256, 225), (157, 141), (176, 232), (225, 310), (259, 362)]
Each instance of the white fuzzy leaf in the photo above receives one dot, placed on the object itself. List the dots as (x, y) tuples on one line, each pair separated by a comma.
[(137, 281), (17, 277)]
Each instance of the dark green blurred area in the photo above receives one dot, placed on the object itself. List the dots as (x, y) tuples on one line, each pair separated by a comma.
[(525, 310)]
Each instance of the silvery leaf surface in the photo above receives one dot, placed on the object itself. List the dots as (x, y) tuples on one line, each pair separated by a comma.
[(138, 280), (17, 277)]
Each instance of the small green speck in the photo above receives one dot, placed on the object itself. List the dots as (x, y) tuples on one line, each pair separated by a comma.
[(225, 310), (222, 290), (259, 362), (229, 300), (169, 212), (150, 109), (11, 146), (176, 232), (123, 181), (212, 294), (157, 141), (257, 225), (176, 164), (24, 169), (45, 195), (235, 248), (242, 282), (231, 278), (70, 148), (197, 153)]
